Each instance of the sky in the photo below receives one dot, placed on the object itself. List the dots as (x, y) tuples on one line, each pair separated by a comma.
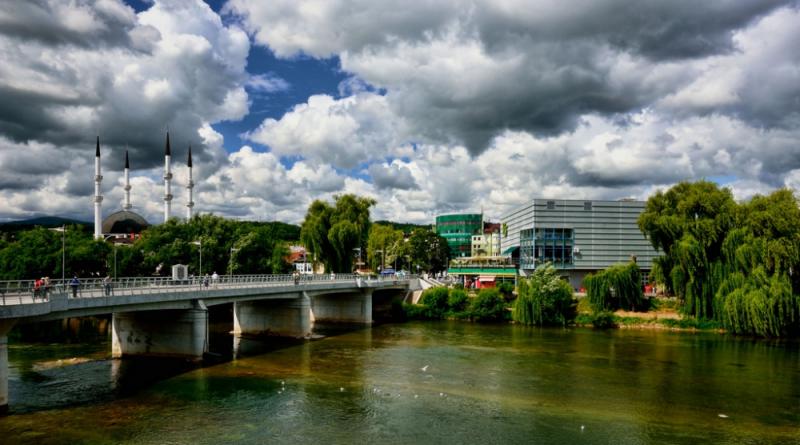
[(442, 106)]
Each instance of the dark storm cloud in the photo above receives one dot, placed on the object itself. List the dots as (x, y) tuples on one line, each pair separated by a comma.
[(657, 29), (55, 22), (392, 176)]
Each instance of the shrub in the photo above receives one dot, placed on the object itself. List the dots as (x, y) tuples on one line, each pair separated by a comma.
[(488, 306), (619, 286), (603, 320), (506, 289), (415, 311), (544, 298), (435, 299), (458, 300)]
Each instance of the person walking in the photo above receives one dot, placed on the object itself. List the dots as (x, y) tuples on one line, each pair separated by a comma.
[(46, 287), (37, 288), (215, 279), (107, 285), (74, 283)]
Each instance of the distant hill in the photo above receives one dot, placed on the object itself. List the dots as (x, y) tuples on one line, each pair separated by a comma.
[(43, 221), (405, 227)]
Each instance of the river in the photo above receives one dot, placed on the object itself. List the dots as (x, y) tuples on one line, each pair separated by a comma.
[(416, 383)]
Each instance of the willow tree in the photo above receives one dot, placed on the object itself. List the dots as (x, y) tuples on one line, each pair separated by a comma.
[(617, 287), (758, 293), (544, 298), (688, 224), (384, 243), (331, 233)]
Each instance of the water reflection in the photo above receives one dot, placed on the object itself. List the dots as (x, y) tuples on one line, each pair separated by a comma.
[(445, 382)]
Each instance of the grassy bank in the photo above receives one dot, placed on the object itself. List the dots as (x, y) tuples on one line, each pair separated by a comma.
[(663, 314)]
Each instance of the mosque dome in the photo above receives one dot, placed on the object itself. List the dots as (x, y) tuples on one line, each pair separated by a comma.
[(124, 222)]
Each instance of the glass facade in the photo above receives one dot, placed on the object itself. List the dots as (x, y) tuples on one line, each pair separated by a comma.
[(542, 245), (458, 231)]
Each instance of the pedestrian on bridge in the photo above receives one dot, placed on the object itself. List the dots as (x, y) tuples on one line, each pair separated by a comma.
[(215, 279), (37, 288), (74, 283), (107, 285)]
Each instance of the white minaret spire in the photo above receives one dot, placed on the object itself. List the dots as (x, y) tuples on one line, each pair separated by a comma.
[(98, 198), (189, 186), (127, 205), (167, 179)]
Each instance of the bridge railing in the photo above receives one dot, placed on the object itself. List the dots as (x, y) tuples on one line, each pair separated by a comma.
[(25, 292)]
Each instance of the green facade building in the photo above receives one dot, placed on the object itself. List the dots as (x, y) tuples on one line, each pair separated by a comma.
[(458, 230)]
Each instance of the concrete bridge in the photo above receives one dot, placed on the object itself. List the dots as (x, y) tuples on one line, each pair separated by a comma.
[(162, 317)]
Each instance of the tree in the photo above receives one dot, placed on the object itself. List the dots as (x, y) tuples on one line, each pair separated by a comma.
[(688, 224), (544, 298), (383, 242), (331, 233), (428, 250)]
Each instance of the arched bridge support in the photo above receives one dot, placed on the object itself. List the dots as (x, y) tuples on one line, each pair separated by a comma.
[(285, 317), (161, 333), (351, 307)]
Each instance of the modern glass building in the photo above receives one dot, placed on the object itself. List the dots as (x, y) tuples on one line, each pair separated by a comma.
[(577, 236), (458, 231)]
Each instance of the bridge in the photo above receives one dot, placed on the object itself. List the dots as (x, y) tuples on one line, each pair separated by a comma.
[(162, 317)]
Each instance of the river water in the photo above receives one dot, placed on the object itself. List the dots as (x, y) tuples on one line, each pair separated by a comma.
[(417, 383)]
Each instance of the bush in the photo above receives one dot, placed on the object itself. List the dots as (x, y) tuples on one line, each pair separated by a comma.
[(506, 289), (457, 301), (619, 286), (603, 320), (415, 311), (488, 306), (435, 299), (544, 298)]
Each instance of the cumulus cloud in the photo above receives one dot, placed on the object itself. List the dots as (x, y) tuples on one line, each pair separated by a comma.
[(462, 72), (95, 67), (342, 132)]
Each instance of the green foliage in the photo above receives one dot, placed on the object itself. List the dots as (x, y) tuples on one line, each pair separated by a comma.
[(733, 264), (436, 300), (544, 298), (488, 306), (458, 300), (384, 242), (603, 320), (428, 250), (506, 289), (330, 233), (261, 249), (617, 287)]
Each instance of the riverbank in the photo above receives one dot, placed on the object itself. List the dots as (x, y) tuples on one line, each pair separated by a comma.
[(666, 318)]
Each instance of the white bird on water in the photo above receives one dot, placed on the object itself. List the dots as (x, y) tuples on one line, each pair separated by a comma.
[(424, 368)]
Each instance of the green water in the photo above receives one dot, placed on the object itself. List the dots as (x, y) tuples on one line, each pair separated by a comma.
[(438, 382)]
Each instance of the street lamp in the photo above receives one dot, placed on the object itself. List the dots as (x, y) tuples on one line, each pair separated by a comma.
[(115, 254), (383, 255), (63, 230), (200, 243), (230, 266)]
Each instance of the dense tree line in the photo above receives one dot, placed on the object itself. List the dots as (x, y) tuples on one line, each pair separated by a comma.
[(735, 263), (243, 247)]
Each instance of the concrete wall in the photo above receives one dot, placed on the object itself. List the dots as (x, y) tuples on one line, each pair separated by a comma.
[(284, 317), (5, 327), (165, 333), (345, 308)]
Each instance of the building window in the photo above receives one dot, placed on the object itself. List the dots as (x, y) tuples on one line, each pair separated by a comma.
[(551, 205), (587, 205)]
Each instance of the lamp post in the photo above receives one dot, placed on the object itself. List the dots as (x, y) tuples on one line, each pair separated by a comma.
[(230, 266), (115, 254), (200, 243), (358, 261), (383, 255), (63, 254)]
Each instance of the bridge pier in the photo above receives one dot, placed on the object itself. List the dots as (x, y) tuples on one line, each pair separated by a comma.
[(5, 328), (281, 317), (165, 333), (353, 307)]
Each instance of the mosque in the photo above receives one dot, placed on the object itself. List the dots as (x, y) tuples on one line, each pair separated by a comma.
[(124, 225)]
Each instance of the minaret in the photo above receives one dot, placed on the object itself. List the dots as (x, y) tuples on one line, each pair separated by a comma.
[(167, 179), (127, 205), (189, 186), (98, 198)]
